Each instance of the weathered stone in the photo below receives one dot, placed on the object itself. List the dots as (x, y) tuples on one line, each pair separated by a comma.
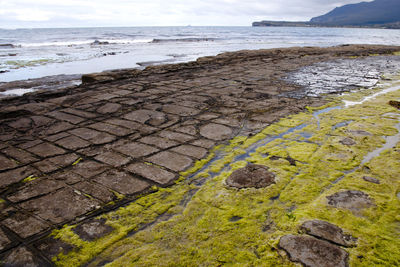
[(21, 124), (15, 176), (6, 163), (313, 252), (51, 247), (192, 151), (61, 206), (180, 137), (24, 225), (121, 182), (204, 143), (21, 256), (109, 108), (112, 129), (95, 190), (92, 230), (153, 173), (35, 188), (158, 142), (215, 131), (93, 136), (67, 177), (180, 110), (88, 169), (79, 113), (72, 142), (4, 241), (136, 150), (20, 155), (351, 199), (252, 175), (348, 142), (46, 150), (66, 117), (154, 118), (171, 161), (328, 231), (113, 159), (371, 179), (59, 127), (54, 163)]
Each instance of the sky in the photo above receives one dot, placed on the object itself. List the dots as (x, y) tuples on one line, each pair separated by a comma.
[(103, 13)]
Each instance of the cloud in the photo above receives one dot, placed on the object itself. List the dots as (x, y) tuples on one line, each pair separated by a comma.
[(74, 13)]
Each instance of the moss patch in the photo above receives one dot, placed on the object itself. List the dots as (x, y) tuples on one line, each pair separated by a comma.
[(201, 220)]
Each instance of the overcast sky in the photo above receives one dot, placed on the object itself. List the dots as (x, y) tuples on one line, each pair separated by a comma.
[(82, 13)]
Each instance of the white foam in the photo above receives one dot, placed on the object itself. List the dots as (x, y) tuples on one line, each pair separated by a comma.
[(17, 92)]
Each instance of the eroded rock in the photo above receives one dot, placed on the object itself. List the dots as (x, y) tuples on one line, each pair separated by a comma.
[(371, 179), (90, 231), (348, 142), (313, 252), (328, 231), (252, 175), (352, 200), (395, 104)]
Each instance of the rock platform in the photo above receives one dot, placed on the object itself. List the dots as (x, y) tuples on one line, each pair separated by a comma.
[(70, 155)]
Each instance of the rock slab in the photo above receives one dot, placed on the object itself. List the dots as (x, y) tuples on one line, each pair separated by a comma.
[(253, 175), (313, 252)]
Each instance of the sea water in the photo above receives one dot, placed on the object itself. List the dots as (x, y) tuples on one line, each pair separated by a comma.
[(35, 53)]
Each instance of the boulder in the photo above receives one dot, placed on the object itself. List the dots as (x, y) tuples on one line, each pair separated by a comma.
[(253, 175)]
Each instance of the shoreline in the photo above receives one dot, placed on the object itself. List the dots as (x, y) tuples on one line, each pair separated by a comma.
[(109, 145)]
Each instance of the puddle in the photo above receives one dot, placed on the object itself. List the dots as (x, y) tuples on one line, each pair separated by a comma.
[(341, 124)]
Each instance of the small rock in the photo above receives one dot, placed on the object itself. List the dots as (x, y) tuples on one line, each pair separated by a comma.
[(348, 142), (313, 252), (395, 104), (352, 200), (92, 230), (371, 179), (252, 175), (21, 256), (328, 231)]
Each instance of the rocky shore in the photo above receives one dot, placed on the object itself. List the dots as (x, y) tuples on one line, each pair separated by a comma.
[(105, 166)]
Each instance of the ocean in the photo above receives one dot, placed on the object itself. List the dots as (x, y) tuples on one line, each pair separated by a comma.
[(34, 53)]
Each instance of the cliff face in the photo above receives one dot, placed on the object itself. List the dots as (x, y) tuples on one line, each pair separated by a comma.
[(362, 14)]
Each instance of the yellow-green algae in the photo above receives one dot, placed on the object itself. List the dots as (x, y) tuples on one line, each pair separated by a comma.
[(200, 231)]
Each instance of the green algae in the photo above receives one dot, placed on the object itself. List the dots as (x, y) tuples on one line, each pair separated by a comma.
[(30, 178), (191, 225)]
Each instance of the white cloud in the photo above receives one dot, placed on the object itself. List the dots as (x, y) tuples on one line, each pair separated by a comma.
[(73, 13)]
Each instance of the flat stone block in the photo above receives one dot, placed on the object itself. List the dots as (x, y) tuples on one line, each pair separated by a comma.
[(4, 241), (122, 182), (180, 137), (160, 142), (215, 131), (136, 150), (180, 110), (313, 252), (25, 225), (112, 129), (153, 173), (35, 188), (20, 155), (61, 206), (109, 108), (204, 143), (66, 117), (192, 151), (171, 161), (6, 163), (113, 159), (15, 176), (153, 118), (93, 136), (21, 256), (95, 190), (88, 169), (46, 150), (73, 142)]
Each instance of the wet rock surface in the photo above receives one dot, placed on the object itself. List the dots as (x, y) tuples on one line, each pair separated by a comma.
[(92, 230), (65, 154), (352, 200), (313, 252), (328, 231), (253, 175)]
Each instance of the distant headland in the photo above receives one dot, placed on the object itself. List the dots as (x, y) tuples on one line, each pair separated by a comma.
[(375, 14)]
